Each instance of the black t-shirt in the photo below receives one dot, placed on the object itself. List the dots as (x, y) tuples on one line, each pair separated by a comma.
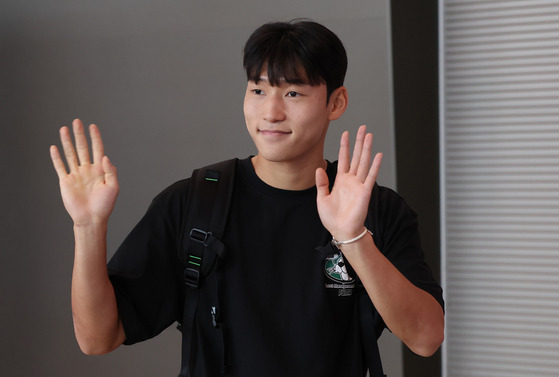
[(288, 311)]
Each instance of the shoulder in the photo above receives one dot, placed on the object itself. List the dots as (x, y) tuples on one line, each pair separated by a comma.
[(390, 203), (175, 196), (392, 218), (175, 193)]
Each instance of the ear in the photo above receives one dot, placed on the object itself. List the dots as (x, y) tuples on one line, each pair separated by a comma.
[(338, 103)]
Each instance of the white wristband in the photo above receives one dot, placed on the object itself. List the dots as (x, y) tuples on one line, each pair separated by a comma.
[(337, 243)]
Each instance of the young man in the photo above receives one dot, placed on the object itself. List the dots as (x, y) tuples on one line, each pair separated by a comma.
[(286, 308)]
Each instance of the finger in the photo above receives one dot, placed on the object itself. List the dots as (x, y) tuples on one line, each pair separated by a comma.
[(365, 159), (357, 149), (57, 162), (109, 169), (96, 144), (322, 183), (373, 171), (81, 142), (343, 156), (68, 147)]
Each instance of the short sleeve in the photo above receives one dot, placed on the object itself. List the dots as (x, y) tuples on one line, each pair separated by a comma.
[(400, 240), (146, 271)]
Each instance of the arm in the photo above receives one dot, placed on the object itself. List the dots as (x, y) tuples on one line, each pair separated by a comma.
[(89, 192), (411, 313)]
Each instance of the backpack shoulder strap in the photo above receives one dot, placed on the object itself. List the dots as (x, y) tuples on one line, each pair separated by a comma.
[(369, 316), (202, 250), (206, 215)]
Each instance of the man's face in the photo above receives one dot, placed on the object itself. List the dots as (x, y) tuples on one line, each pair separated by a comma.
[(287, 123)]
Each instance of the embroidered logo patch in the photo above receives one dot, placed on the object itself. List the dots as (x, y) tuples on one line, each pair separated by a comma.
[(335, 269)]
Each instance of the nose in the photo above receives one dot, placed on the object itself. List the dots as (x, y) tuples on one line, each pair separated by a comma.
[(274, 110)]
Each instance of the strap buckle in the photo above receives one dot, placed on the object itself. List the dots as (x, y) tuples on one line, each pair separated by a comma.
[(194, 263), (200, 236), (191, 277)]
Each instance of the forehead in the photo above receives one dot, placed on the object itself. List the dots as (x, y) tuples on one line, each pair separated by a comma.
[(281, 81), (290, 72)]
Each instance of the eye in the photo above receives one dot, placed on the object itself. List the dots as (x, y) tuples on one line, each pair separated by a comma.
[(293, 94), (257, 91)]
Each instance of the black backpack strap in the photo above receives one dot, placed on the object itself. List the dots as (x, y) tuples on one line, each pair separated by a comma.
[(206, 215), (369, 316)]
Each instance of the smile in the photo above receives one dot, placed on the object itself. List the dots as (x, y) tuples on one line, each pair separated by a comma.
[(268, 132)]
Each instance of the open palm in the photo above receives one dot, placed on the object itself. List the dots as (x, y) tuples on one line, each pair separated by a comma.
[(343, 211), (90, 188)]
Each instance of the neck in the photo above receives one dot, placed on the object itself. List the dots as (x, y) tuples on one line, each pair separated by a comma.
[(285, 175)]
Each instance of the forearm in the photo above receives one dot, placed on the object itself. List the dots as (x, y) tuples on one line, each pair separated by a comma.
[(409, 312), (96, 321)]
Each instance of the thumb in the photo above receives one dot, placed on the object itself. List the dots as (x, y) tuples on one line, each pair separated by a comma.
[(321, 179), (110, 172)]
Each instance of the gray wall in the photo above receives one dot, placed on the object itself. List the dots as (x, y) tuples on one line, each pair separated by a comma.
[(164, 82)]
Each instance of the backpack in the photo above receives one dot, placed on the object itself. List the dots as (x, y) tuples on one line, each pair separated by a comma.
[(206, 215)]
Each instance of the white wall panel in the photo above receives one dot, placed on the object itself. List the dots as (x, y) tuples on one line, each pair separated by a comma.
[(500, 186)]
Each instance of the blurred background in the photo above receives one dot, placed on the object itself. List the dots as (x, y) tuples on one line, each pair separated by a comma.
[(164, 82)]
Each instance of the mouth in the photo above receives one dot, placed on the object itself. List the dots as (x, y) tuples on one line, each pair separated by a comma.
[(273, 132)]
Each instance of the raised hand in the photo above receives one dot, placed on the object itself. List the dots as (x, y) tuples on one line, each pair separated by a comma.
[(90, 188), (343, 211)]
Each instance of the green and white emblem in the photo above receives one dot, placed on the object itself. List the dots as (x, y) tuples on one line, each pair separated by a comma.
[(335, 269)]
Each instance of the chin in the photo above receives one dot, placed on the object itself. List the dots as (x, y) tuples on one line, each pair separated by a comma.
[(273, 157)]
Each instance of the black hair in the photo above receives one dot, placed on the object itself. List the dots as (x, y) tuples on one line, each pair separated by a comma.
[(299, 52)]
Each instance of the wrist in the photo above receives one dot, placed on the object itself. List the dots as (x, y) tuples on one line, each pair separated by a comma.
[(338, 243), (90, 228), (90, 246)]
